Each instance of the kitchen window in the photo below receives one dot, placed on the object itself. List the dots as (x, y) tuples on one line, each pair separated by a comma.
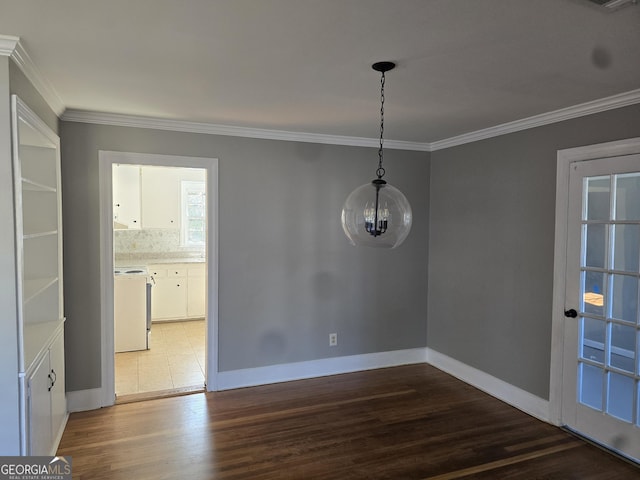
[(194, 214)]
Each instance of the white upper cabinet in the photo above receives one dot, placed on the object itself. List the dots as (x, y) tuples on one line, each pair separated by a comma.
[(162, 194), (160, 197), (150, 196), (126, 196)]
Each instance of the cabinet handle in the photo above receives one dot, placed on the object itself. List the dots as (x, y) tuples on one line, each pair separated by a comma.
[(55, 377), (178, 284), (52, 383)]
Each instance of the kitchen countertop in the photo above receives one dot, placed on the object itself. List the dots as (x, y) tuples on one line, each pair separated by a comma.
[(158, 261)]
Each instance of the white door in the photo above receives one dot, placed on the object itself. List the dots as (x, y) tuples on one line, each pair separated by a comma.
[(600, 397)]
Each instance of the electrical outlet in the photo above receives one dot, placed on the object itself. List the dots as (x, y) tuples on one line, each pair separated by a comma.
[(333, 339)]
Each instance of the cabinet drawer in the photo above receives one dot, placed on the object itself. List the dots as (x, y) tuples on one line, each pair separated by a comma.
[(157, 271), (176, 271)]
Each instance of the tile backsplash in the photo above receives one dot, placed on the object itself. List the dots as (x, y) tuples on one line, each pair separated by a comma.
[(151, 243)]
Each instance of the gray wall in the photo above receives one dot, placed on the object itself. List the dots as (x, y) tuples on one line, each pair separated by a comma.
[(491, 245), (288, 276)]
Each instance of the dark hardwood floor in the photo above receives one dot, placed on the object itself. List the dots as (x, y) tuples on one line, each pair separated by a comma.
[(401, 423)]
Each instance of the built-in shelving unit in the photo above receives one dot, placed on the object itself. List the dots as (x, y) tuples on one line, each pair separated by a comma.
[(38, 206)]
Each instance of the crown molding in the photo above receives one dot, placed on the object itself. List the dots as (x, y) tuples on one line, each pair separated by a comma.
[(122, 120), (608, 103), (8, 44), (584, 109), (41, 84)]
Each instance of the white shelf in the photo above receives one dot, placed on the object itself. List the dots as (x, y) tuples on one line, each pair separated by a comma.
[(38, 259), (37, 337), (39, 234), (36, 166), (36, 186), (34, 287)]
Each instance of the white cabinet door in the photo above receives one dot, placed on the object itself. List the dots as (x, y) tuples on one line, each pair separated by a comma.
[(58, 397), (126, 195), (39, 414), (196, 291), (160, 197), (169, 298)]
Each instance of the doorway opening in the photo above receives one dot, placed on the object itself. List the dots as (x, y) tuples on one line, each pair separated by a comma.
[(159, 248), (159, 274)]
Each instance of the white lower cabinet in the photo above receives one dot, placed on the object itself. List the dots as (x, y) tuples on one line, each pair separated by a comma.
[(169, 298), (46, 401), (39, 409), (196, 291), (178, 291)]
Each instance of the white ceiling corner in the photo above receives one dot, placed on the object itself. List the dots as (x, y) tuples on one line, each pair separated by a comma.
[(300, 71)]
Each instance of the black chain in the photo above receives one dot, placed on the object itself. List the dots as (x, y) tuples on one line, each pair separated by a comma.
[(380, 171)]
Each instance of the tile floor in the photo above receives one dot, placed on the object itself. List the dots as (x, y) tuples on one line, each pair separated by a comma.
[(176, 360)]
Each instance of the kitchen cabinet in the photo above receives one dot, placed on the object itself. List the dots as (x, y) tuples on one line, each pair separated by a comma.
[(196, 291), (149, 196), (160, 197), (178, 291), (168, 292), (126, 196), (38, 259), (162, 194)]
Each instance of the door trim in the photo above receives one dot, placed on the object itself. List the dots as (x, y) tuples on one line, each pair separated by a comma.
[(106, 160), (565, 158)]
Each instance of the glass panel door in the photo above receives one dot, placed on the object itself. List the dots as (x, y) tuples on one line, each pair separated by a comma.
[(603, 282)]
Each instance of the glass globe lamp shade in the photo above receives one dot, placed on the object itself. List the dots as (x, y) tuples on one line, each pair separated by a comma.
[(385, 226)]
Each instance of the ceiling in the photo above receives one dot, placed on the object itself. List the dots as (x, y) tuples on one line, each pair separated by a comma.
[(305, 65)]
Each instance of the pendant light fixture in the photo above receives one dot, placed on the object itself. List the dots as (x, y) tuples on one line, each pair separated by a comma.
[(377, 214)]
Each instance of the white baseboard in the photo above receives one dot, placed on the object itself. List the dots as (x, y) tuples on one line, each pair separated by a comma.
[(535, 406), (249, 377), (83, 400), (514, 396)]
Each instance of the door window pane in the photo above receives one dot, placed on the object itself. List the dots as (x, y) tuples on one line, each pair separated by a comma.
[(591, 380), (626, 241), (620, 397), (628, 196), (597, 201), (593, 339), (624, 298), (623, 347), (593, 292), (595, 245)]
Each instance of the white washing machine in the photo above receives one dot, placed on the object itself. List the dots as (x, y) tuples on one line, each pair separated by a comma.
[(131, 309)]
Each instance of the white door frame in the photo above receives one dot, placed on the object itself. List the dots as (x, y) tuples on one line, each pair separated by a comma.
[(106, 161), (565, 158)]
